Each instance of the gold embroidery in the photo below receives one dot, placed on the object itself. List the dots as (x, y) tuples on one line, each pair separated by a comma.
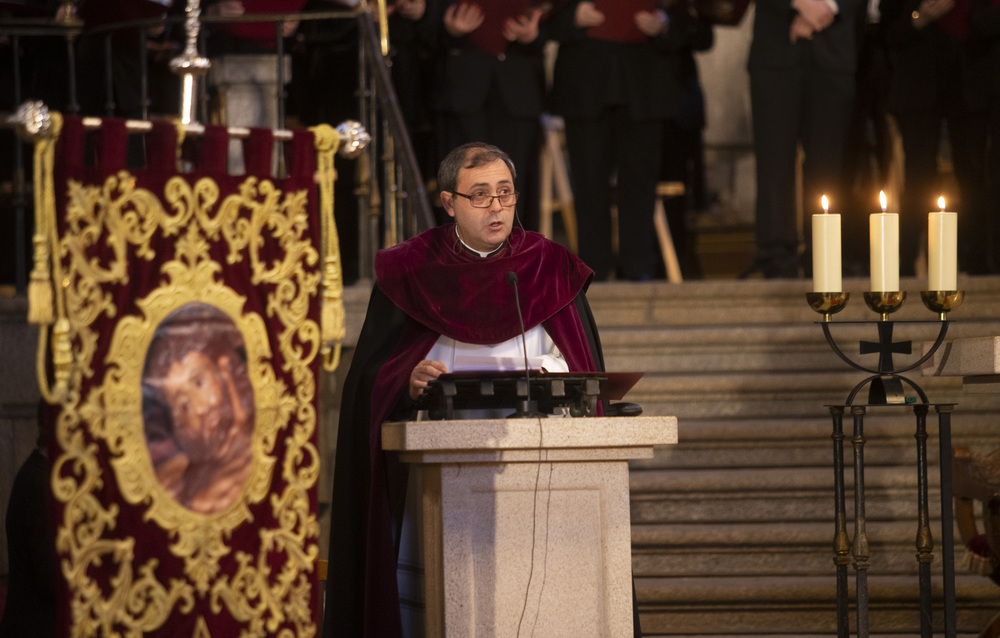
[(274, 586)]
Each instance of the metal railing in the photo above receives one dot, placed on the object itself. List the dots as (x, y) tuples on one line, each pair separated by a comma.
[(393, 202)]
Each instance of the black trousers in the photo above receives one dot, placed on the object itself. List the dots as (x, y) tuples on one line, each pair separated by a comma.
[(967, 136), (808, 105), (615, 145)]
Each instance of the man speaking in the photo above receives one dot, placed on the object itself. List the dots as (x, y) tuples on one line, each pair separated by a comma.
[(440, 298)]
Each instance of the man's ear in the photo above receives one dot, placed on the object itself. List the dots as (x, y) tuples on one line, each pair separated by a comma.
[(448, 201)]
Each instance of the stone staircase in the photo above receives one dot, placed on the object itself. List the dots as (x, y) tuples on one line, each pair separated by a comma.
[(732, 528)]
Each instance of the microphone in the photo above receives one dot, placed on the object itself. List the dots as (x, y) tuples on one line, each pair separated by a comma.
[(526, 408)]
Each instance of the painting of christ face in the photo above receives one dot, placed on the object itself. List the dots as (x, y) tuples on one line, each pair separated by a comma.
[(198, 408)]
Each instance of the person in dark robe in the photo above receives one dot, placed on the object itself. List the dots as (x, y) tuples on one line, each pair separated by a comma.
[(802, 64), (443, 291), (614, 87), (491, 83), (31, 550)]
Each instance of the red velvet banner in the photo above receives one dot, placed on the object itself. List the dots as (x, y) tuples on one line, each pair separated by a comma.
[(187, 327)]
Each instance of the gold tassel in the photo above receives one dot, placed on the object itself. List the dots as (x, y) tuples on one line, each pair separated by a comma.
[(333, 300), (40, 311), (40, 289), (332, 318), (45, 301)]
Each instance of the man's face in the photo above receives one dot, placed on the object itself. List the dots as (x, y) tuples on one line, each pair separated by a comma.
[(482, 228), (199, 406)]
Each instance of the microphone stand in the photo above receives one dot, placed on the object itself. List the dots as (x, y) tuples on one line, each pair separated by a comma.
[(526, 409)]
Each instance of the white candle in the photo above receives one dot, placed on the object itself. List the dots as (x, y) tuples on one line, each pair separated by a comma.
[(884, 241), (942, 249), (826, 250)]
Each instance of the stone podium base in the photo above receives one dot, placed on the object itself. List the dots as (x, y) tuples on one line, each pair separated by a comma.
[(523, 525)]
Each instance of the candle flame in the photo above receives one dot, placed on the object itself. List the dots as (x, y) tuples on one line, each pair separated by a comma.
[(825, 203), (941, 203), (881, 199)]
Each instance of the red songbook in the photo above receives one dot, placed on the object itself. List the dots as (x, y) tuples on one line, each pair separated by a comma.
[(619, 20), (263, 32), (489, 36)]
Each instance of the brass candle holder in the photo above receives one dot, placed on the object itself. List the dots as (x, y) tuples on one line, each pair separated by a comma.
[(942, 301), (885, 302), (886, 385), (828, 303)]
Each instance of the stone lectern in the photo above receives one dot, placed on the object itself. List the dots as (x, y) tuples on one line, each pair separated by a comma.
[(522, 525)]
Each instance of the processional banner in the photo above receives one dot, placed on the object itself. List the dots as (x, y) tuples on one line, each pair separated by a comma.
[(182, 316)]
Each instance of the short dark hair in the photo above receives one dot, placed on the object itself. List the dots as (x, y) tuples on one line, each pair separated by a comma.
[(471, 155)]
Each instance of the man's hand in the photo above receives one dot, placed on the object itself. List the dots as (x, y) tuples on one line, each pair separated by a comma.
[(652, 23), (931, 10), (524, 29), (587, 16), (423, 372), (462, 19), (412, 10), (817, 13), (800, 30)]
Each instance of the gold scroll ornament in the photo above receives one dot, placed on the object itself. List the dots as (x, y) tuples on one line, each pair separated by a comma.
[(259, 593)]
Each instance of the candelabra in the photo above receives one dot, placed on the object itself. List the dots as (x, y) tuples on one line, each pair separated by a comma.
[(886, 388)]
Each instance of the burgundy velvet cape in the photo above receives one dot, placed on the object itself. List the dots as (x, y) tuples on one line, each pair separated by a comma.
[(427, 287)]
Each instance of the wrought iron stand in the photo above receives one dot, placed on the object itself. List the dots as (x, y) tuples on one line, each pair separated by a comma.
[(886, 388)]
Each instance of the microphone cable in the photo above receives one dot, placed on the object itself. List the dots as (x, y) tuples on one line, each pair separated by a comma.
[(530, 412)]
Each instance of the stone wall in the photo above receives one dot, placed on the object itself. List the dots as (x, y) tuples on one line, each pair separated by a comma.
[(728, 135)]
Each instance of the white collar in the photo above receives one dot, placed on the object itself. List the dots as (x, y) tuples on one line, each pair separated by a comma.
[(482, 254)]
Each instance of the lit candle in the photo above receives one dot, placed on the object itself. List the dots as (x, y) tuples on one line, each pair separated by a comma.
[(826, 250), (884, 241), (942, 249)]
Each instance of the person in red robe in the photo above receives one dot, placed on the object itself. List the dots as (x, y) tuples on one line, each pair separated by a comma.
[(449, 283)]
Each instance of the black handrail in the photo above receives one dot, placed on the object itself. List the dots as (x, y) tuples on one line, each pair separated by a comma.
[(409, 196), (422, 217)]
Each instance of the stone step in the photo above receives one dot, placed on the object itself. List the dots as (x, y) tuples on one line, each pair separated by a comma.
[(771, 480), (777, 385), (783, 337), (752, 505), (805, 447), (770, 606), (794, 562), (754, 302), (892, 544), (881, 425)]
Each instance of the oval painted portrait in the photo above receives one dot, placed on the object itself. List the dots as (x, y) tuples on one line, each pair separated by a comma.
[(198, 408)]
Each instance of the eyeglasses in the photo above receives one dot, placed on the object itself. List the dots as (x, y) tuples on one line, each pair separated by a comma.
[(485, 201)]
